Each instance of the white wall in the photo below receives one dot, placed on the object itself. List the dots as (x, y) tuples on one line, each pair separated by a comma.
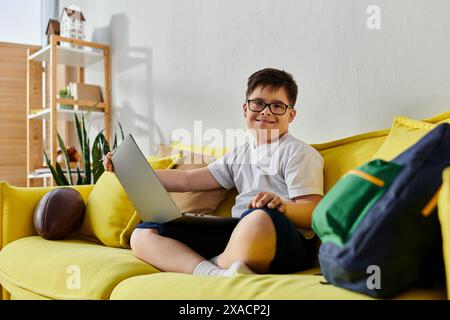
[(20, 21), (179, 61)]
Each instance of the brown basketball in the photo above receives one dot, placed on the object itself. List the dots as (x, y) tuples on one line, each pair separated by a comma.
[(59, 213)]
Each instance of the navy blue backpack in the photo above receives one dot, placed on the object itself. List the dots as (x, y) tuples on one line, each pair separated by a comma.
[(391, 239)]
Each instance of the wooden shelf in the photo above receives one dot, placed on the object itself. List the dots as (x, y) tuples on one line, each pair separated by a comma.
[(42, 83), (68, 56), (81, 103), (47, 174), (39, 175), (63, 114)]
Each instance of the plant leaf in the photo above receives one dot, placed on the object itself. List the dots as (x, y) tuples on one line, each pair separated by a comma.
[(66, 157), (86, 153), (105, 145), (87, 161), (79, 177), (55, 175), (121, 131), (86, 116), (80, 138), (61, 174), (79, 132), (97, 165), (115, 141), (91, 108)]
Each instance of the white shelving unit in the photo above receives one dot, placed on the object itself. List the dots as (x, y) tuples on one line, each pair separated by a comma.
[(63, 114), (48, 174), (49, 57), (68, 56)]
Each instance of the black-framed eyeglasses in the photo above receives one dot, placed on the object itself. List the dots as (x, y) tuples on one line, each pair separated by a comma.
[(277, 108)]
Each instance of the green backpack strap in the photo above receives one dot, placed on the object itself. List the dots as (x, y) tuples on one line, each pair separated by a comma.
[(341, 210)]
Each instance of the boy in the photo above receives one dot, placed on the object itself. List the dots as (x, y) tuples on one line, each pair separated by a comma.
[(275, 207)]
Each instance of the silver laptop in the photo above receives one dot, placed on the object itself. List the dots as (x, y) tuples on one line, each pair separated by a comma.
[(143, 187)]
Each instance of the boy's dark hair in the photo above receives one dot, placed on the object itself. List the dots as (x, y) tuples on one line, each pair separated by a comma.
[(273, 78)]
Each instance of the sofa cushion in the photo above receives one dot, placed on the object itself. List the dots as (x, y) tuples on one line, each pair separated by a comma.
[(224, 208), (404, 133), (214, 152), (342, 155), (439, 118), (304, 286), (17, 205), (166, 162), (206, 201), (110, 216), (51, 268), (444, 219)]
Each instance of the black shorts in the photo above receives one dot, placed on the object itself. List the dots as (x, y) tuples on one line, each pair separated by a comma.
[(293, 252)]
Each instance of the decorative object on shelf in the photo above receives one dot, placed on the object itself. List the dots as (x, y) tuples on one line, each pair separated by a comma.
[(72, 25), (52, 28), (74, 157), (92, 170), (65, 93), (87, 92), (73, 154)]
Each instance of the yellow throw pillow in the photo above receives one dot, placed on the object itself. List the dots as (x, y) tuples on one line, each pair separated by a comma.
[(109, 213), (404, 133), (215, 152), (110, 216), (167, 162), (444, 218)]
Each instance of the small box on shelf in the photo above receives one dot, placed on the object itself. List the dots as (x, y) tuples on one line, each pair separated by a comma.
[(84, 91)]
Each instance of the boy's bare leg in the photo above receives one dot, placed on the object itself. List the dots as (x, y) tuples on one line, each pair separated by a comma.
[(171, 255), (164, 253), (252, 242)]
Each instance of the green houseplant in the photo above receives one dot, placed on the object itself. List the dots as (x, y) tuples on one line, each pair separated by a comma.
[(65, 93), (91, 157)]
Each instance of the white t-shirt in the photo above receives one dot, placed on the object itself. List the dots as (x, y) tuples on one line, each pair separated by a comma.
[(287, 167)]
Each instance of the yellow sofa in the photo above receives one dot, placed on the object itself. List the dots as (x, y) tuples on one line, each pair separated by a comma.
[(34, 268)]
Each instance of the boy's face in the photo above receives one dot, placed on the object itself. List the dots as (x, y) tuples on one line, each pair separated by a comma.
[(266, 125)]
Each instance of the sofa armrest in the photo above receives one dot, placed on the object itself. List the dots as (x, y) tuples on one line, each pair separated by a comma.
[(444, 218), (17, 206)]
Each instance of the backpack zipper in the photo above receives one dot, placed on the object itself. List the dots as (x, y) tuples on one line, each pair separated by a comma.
[(431, 205), (376, 181)]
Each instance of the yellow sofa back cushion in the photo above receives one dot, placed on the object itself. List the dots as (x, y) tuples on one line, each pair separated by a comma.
[(216, 152), (404, 133), (342, 155), (17, 206), (339, 155)]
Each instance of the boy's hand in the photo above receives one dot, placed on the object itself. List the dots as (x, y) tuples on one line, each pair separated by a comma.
[(271, 200), (107, 163)]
